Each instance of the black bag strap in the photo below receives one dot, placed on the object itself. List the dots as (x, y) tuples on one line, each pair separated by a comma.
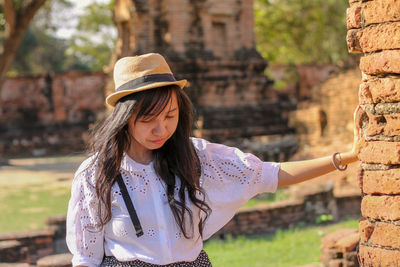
[(129, 206)]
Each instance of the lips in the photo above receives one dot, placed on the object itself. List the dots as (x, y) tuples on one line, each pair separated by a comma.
[(159, 141)]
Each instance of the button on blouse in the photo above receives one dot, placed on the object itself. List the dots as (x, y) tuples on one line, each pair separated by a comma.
[(229, 178)]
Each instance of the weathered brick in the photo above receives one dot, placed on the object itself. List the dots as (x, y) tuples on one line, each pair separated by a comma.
[(381, 182), (378, 90), (353, 43), (385, 208), (330, 241), (380, 11), (337, 263), (372, 257), (348, 243), (380, 152), (379, 37), (380, 233), (384, 62), (353, 16), (389, 125)]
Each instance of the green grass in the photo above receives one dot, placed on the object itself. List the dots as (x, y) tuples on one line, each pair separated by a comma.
[(26, 208), (266, 198), (296, 246)]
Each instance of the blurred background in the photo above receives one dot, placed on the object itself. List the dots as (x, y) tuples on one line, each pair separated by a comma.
[(273, 78)]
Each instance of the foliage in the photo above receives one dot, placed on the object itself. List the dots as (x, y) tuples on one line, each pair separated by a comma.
[(39, 53), (324, 218), (299, 32), (53, 15), (89, 48), (94, 40)]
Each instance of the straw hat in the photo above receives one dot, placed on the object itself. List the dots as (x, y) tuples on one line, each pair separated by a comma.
[(138, 73)]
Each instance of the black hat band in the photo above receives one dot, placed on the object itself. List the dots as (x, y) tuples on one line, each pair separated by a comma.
[(145, 80)]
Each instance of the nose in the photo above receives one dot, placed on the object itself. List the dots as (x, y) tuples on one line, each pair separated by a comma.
[(160, 128)]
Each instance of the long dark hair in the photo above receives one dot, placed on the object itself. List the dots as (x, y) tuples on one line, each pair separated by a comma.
[(177, 158)]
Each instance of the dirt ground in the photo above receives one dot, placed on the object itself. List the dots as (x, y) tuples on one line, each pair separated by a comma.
[(44, 170)]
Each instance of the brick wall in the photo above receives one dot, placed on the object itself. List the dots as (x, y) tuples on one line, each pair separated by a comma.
[(374, 29), (48, 114)]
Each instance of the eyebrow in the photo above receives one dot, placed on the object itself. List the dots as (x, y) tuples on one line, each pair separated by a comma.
[(172, 110)]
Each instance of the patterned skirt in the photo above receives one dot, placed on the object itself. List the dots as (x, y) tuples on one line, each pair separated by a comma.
[(201, 261)]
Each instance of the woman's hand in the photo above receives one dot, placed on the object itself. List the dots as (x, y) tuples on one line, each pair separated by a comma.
[(357, 130)]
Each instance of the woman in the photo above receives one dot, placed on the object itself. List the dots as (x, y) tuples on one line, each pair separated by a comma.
[(150, 194)]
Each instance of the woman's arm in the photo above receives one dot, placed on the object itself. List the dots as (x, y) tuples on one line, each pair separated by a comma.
[(299, 171)]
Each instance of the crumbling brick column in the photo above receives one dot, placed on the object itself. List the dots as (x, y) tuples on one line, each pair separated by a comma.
[(374, 29)]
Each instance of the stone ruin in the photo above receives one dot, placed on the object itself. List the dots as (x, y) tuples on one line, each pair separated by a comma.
[(212, 45), (48, 114), (209, 43)]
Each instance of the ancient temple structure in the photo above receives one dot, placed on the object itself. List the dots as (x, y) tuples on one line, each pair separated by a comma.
[(210, 43)]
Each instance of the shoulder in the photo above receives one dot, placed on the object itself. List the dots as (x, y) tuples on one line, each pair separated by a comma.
[(87, 169), (209, 149), (199, 143)]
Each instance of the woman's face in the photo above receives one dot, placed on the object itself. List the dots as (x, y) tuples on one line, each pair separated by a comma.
[(151, 132)]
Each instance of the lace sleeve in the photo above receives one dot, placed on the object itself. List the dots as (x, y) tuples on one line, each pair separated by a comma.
[(230, 178), (84, 236)]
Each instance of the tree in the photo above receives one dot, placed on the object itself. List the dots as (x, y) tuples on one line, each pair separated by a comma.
[(95, 37), (17, 16), (41, 50), (299, 32)]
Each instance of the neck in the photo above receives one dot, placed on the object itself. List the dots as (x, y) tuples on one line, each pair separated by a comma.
[(139, 155)]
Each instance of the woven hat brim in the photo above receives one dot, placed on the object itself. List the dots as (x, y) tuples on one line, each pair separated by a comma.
[(114, 97)]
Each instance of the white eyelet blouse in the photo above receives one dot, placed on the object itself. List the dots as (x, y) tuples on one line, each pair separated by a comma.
[(229, 177)]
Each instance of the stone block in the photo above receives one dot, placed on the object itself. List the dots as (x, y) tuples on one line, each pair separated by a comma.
[(374, 12), (380, 152), (381, 182), (353, 42), (353, 16), (15, 265), (351, 259), (330, 241), (388, 125), (336, 263), (386, 208), (380, 234), (373, 256), (58, 260), (377, 90), (385, 62), (379, 37), (13, 251), (348, 243)]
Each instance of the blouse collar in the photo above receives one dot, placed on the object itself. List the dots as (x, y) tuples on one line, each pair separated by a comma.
[(128, 164)]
